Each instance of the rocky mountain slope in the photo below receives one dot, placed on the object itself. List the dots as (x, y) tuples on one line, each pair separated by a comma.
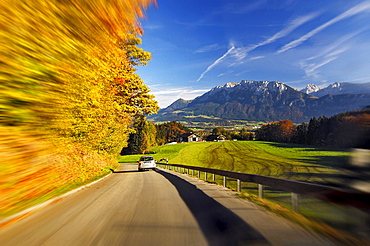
[(263, 101)]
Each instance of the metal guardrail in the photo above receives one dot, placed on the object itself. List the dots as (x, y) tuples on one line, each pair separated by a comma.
[(359, 200)]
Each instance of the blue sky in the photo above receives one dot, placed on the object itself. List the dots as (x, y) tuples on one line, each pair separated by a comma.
[(199, 44)]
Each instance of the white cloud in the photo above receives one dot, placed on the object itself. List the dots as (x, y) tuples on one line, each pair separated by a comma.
[(166, 96), (351, 12), (215, 63)]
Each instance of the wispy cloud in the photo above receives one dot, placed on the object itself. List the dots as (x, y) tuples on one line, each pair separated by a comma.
[(223, 74), (327, 55), (288, 29), (208, 48), (351, 12), (311, 68), (215, 63), (334, 45), (256, 58), (241, 52)]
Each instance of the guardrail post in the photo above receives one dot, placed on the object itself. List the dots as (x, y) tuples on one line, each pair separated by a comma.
[(224, 183), (213, 177), (295, 202), (192, 172), (198, 174), (260, 191), (205, 176), (238, 185)]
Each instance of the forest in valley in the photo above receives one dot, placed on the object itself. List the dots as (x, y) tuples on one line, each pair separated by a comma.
[(345, 130), (147, 135)]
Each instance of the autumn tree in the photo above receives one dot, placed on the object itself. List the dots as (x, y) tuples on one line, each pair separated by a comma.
[(170, 132), (244, 134), (218, 131), (68, 91), (277, 131), (143, 137)]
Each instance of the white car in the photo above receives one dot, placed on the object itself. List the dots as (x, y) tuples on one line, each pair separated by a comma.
[(146, 162)]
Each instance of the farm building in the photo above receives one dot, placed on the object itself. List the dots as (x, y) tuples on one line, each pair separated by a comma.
[(189, 137), (216, 138)]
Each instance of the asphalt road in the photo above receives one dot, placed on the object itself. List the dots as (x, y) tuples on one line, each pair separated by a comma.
[(154, 208)]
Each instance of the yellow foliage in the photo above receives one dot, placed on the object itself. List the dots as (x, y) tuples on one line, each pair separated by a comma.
[(67, 78), (25, 171)]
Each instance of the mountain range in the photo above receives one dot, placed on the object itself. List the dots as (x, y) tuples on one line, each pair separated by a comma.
[(337, 88), (268, 101)]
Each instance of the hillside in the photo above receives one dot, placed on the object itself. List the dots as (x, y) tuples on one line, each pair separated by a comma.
[(261, 101)]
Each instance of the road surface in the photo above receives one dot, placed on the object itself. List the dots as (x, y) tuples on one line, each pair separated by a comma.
[(154, 208)]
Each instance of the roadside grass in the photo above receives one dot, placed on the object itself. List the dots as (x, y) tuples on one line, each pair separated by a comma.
[(288, 161), (340, 235)]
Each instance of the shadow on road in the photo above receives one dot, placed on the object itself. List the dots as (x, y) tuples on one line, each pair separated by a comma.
[(128, 171), (219, 225)]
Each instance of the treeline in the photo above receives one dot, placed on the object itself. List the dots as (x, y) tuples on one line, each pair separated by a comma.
[(242, 134), (147, 135), (345, 130)]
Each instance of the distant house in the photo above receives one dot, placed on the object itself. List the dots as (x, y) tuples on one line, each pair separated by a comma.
[(215, 138), (189, 137)]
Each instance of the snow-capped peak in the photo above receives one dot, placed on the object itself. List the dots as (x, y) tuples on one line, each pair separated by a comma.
[(231, 84), (273, 86), (335, 85), (310, 88)]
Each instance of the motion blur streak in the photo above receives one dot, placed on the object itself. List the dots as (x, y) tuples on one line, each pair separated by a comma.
[(68, 92)]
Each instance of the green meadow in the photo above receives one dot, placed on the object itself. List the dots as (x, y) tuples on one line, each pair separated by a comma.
[(288, 161)]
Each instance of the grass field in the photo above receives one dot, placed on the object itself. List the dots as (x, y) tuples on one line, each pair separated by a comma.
[(288, 161)]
